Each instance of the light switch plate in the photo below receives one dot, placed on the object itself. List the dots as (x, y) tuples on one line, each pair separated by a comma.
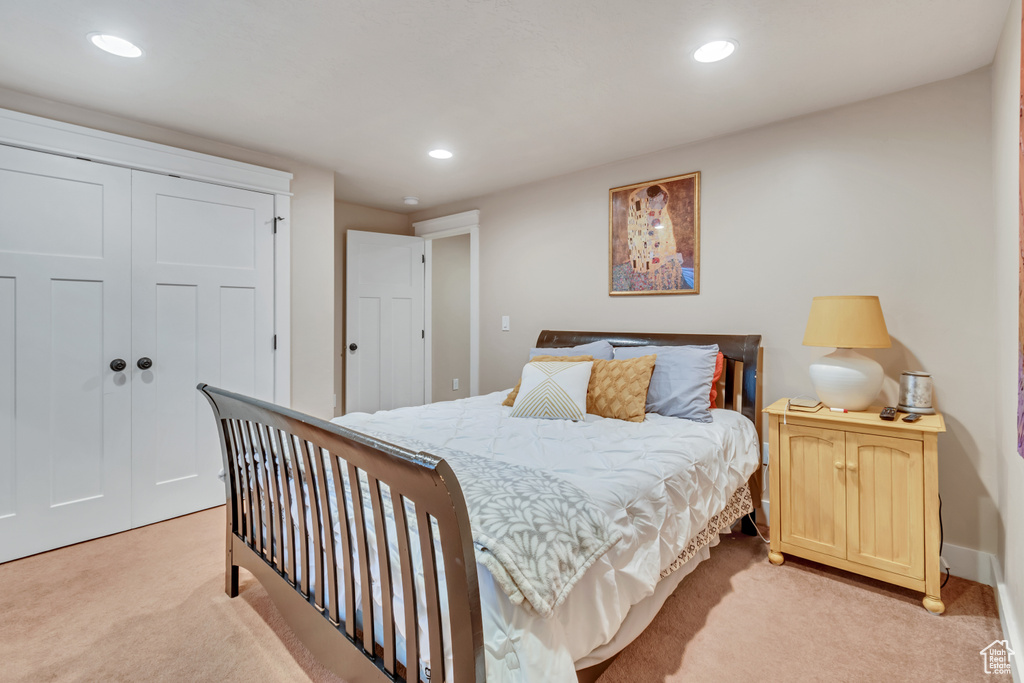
[(504, 323), (455, 384)]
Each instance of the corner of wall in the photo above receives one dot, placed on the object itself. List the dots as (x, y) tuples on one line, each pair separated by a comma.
[(1008, 562)]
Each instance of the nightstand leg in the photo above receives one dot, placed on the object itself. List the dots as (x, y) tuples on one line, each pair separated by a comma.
[(933, 604), (932, 527), (774, 493)]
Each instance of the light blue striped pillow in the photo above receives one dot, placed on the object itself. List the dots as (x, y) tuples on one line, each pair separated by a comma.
[(681, 381)]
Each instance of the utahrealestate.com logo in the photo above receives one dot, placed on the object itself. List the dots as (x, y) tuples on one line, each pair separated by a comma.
[(997, 657)]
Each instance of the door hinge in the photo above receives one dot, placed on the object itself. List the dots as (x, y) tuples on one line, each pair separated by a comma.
[(423, 258), (423, 334), (276, 219), (275, 342)]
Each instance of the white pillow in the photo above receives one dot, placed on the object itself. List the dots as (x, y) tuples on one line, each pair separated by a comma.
[(553, 390)]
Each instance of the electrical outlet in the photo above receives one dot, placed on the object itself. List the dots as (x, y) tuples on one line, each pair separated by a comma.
[(504, 324), (764, 454), (455, 384)]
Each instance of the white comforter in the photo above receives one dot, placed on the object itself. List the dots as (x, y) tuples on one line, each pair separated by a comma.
[(659, 481)]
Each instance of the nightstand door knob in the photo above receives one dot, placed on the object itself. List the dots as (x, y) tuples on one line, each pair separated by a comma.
[(839, 465), (851, 466)]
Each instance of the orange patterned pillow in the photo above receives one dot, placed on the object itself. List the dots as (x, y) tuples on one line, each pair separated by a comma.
[(719, 364), (511, 398), (618, 388)]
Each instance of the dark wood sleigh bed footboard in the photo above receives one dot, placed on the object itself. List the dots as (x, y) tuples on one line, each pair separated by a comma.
[(274, 457)]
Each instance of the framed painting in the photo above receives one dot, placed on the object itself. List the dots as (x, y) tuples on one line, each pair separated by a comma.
[(654, 237), (1020, 272)]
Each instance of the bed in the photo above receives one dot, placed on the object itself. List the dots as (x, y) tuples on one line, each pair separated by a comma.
[(386, 487)]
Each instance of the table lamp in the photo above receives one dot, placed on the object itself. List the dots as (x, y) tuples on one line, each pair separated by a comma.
[(845, 378)]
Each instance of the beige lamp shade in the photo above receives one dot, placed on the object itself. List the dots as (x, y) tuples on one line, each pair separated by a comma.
[(847, 322)]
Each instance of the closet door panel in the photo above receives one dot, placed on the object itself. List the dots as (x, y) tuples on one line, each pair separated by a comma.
[(65, 307), (238, 339), (203, 312), (177, 402), (8, 424), (75, 414), (66, 213)]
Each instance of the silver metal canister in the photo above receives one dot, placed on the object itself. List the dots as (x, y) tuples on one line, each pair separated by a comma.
[(916, 393)]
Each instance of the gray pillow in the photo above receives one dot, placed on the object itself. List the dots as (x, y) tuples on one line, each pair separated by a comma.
[(681, 383), (600, 350)]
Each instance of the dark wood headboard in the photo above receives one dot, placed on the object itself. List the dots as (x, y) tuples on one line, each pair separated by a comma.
[(743, 353)]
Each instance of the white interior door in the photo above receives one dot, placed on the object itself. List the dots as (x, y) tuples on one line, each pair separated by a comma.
[(202, 311), (65, 314), (384, 329)]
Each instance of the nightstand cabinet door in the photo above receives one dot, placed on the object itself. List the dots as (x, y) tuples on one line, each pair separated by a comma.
[(813, 479), (885, 503)]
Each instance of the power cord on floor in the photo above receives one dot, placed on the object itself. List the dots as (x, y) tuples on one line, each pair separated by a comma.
[(941, 541), (750, 515)]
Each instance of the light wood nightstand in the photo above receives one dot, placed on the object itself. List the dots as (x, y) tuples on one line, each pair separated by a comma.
[(859, 493)]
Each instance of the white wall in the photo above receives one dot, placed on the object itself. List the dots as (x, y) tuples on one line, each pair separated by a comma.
[(312, 220), (1006, 79), (890, 197), (354, 217), (449, 296)]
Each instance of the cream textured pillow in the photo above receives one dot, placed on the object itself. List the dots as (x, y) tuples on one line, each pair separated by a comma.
[(511, 398), (555, 390), (618, 388)]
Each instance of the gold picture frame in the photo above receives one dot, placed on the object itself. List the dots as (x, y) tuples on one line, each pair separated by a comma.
[(654, 237)]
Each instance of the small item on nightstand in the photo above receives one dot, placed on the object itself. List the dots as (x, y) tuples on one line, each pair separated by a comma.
[(913, 417), (803, 405), (888, 413), (916, 393)]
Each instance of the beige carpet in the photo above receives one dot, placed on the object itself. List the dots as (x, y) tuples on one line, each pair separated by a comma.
[(149, 605)]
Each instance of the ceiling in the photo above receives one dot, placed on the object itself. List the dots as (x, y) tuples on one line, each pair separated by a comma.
[(519, 90)]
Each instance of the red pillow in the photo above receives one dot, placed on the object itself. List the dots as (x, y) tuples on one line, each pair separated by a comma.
[(719, 364)]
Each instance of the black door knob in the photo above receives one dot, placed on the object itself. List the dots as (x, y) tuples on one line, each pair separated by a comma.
[(144, 363), (118, 365), (352, 346)]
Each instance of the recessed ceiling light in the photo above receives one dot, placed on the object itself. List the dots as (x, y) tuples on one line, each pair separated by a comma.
[(714, 51), (440, 154), (114, 45), (411, 201)]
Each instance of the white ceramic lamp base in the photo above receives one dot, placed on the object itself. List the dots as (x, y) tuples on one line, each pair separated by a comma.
[(846, 379)]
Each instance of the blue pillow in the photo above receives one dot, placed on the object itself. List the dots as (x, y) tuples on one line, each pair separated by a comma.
[(600, 350), (681, 381)]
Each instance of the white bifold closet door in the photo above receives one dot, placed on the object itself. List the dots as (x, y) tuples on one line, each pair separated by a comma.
[(65, 300), (202, 311), (98, 264)]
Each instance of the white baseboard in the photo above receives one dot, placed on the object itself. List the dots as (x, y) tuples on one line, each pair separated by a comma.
[(1009, 621), (968, 563)]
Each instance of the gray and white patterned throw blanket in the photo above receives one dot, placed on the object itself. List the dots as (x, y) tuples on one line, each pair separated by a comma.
[(536, 533)]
